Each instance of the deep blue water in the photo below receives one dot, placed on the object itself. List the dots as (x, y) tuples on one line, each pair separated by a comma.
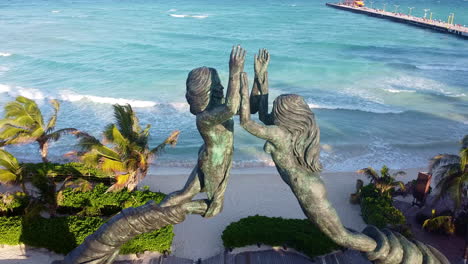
[(383, 93)]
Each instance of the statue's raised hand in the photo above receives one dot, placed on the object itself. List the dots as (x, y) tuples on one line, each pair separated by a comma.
[(261, 61), (237, 60)]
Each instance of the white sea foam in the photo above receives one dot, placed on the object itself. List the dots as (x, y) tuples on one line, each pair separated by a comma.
[(55, 11), (420, 84), (172, 10), (442, 67), (75, 97), (14, 91), (355, 108), (4, 69), (399, 91), (5, 88), (192, 16), (5, 54), (175, 15)]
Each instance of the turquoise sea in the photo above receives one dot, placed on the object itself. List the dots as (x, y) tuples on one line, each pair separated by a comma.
[(383, 93)]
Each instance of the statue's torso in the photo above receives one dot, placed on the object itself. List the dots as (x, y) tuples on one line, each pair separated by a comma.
[(215, 157)]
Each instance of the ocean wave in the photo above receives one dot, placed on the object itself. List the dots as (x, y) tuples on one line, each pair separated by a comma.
[(193, 16), (399, 91), (442, 67), (30, 93), (75, 97), (357, 108), (55, 11), (5, 54), (418, 84), (4, 69)]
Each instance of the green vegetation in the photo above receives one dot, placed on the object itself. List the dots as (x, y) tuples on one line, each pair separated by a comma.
[(61, 171), (377, 202), (385, 183), (68, 232), (451, 172), (10, 170), (299, 234), (99, 202), (24, 123), (128, 156), (440, 224), (68, 188)]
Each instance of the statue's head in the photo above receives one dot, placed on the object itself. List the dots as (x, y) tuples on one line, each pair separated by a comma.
[(291, 112), (203, 87)]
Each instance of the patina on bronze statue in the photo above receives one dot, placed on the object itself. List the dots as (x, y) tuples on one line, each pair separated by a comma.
[(292, 138)]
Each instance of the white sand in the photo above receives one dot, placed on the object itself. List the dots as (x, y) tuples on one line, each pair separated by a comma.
[(249, 192)]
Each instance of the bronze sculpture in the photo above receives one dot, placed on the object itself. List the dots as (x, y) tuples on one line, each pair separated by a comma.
[(293, 138), (216, 127)]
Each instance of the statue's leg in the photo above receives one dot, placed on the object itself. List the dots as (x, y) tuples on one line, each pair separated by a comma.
[(191, 188), (217, 199)]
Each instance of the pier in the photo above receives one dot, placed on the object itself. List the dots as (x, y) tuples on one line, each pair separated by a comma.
[(440, 26)]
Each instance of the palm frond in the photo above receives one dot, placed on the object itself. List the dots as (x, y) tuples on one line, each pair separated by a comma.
[(442, 160), (464, 142), (369, 173), (9, 162), (7, 176), (443, 171), (53, 119), (125, 117), (398, 173), (171, 140), (23, 106), (54, 136), (112, 166)]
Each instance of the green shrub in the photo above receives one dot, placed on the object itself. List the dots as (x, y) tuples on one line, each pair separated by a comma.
[(440, 224), (381, 213), (107, 203), (299, 234), (13, 204), (10, 230), (377, 209), (74, 169), (63, 234)]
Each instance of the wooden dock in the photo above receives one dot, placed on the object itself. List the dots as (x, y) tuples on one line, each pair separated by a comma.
[(440, 26)]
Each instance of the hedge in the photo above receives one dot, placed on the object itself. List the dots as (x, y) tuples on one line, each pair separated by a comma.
[(99, 202), (63, 234), (73, 169), (299, 234), (377, 209)]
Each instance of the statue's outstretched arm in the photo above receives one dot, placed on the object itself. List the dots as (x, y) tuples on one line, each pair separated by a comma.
[(269, 133), (220, 114), (259, 94)]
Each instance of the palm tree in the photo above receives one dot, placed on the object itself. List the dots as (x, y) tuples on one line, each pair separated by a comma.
[(385, 182), (24, 123), (11, 170), (451, 172), (127, 153)]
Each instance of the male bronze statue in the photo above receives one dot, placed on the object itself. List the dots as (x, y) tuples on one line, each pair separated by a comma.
[(216, 127), (292, 138)]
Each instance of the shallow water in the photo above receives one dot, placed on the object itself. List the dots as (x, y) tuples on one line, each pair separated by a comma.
[(383, 93)]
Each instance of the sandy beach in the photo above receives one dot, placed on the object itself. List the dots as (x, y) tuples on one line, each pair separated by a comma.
[(250, 191)]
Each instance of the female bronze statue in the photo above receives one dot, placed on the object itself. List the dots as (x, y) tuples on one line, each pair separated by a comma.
[(215, 124), (292, 138)]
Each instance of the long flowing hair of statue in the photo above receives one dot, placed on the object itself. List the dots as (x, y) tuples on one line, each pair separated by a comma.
[(292, 113)]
